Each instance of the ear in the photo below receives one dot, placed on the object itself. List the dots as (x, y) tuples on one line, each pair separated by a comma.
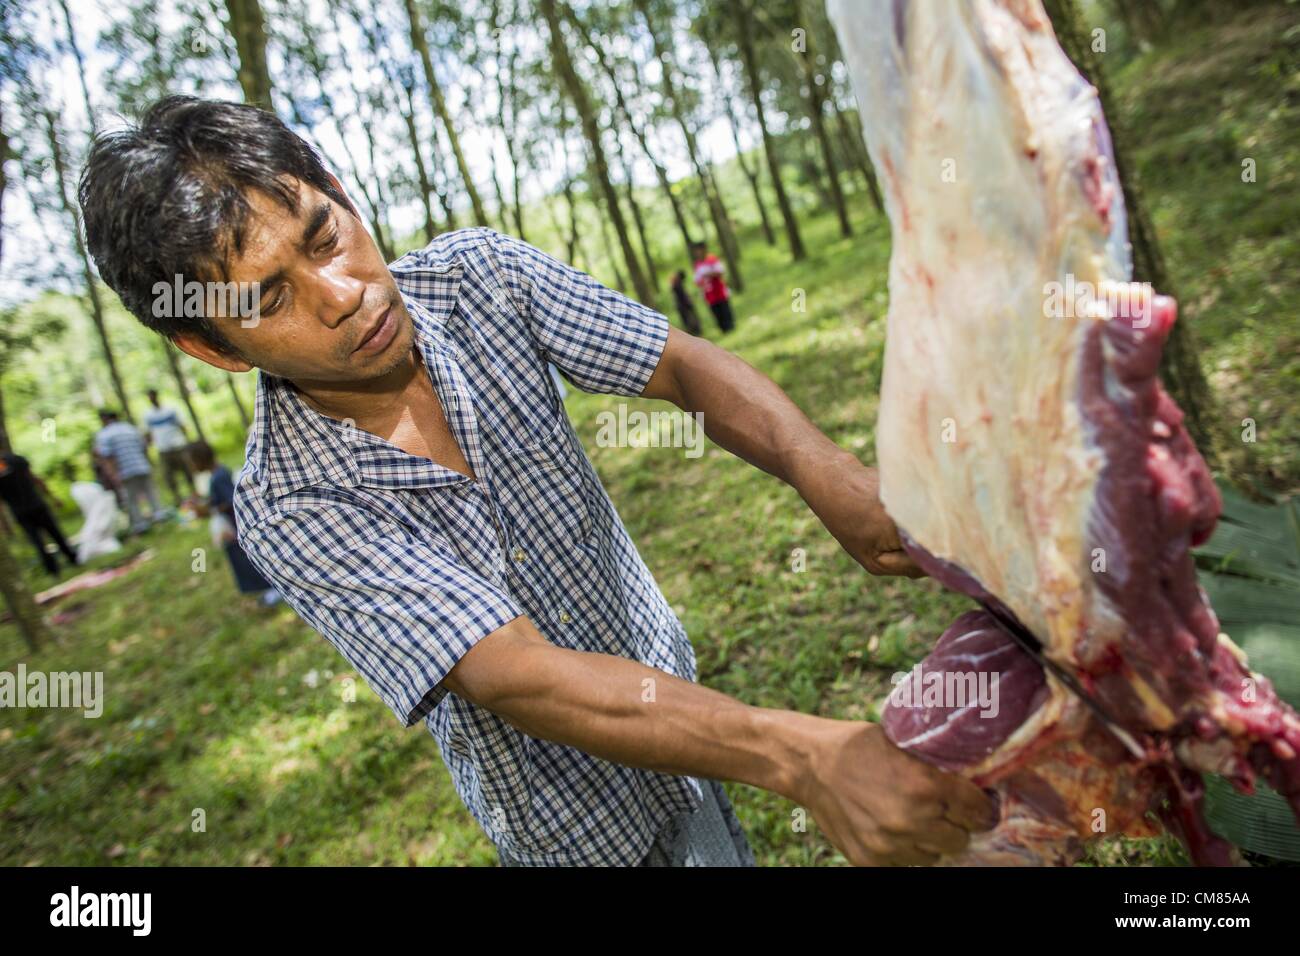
[(193, 345)]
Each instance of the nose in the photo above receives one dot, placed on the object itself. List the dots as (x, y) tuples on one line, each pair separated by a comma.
[(339, 293)]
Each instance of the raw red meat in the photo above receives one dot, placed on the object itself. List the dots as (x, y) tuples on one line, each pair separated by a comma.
[(1029, 454)]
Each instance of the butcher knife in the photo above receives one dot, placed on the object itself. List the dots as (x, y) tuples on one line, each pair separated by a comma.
[(1032, 646)]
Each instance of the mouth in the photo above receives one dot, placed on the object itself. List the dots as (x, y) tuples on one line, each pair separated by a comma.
[(380, 334)]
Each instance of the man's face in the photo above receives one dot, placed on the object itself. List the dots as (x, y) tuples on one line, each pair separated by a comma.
[(330, 312)]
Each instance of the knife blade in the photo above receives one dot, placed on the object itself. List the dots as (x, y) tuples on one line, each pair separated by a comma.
[(1032, 646)]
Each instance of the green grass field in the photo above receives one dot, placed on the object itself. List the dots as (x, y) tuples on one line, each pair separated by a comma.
[(217, 705)]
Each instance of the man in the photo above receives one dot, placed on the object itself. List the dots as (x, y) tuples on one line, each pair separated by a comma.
[(685, 307), (224, 526), (708, 276), (415, 491), (120, 451), (168, 435), (21, 490)]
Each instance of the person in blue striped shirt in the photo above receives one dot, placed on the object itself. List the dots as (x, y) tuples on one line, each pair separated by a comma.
[(120, 450), (415, 490)]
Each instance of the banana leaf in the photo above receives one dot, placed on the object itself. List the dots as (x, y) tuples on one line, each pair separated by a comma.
[(1251, 571)]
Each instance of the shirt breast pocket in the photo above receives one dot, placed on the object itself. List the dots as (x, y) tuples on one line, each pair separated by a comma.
[(545, 491)]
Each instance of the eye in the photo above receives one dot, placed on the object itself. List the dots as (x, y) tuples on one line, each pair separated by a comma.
[(329, 243), (275, 303)]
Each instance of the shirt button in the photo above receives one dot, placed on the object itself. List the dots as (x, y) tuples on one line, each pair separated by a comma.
[(519, 555), (564, 617)]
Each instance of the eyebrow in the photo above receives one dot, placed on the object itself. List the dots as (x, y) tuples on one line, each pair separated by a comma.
[(319, 216)]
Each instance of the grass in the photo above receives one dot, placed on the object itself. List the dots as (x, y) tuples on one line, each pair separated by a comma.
[(223, 711), (1204, 105)]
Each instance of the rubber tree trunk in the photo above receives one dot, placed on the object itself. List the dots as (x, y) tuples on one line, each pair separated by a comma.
[(248, 28), (441, 188), (338, 117), (717, 209), (516, 174), (743, 16), (629, 191), (858, 150), (638, 132), (816, 99), (563, 66), (503, 208), (1179, 367), (620, 283), (508, 97), (27, 616), (378, 203), (421, 171), (6, 445), (439, 104), (751, 172), (75, 47), (548, 204), (566, 186), (178, 375), (88, 274), (1142, 17), (239, 402), (571, 240), (379, 45), (19, 600)]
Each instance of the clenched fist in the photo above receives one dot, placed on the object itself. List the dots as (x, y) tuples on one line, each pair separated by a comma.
[(883, 807)]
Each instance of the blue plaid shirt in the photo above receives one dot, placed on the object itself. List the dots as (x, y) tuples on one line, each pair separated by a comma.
[(403, 565)]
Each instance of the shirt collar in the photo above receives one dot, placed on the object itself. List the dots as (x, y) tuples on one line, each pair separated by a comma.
[(293, 446)]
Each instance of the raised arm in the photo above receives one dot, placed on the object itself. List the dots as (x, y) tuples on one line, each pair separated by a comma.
[(746, 413), (605, 342)]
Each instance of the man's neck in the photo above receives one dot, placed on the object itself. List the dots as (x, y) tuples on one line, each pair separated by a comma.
[(363, 401)]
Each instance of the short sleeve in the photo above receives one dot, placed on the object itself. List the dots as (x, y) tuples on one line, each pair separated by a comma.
[(602, 340), (101, 445), (402, 612)]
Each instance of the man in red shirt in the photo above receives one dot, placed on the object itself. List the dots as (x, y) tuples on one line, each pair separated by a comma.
[(708, 276)]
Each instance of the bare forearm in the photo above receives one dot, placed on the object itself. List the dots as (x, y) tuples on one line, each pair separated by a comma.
[(875, 802), (746, 413), (625, 712)]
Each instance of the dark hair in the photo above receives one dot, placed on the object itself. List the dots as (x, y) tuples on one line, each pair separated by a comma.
[(107, 414), (200, 454), (167, 197)]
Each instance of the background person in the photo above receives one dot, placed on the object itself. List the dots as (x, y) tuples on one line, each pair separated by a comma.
[(122, 452), (21, 490), (708, 276), (167, 434), (685, 307), (98, 533), (225, 528), (105, 477)]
